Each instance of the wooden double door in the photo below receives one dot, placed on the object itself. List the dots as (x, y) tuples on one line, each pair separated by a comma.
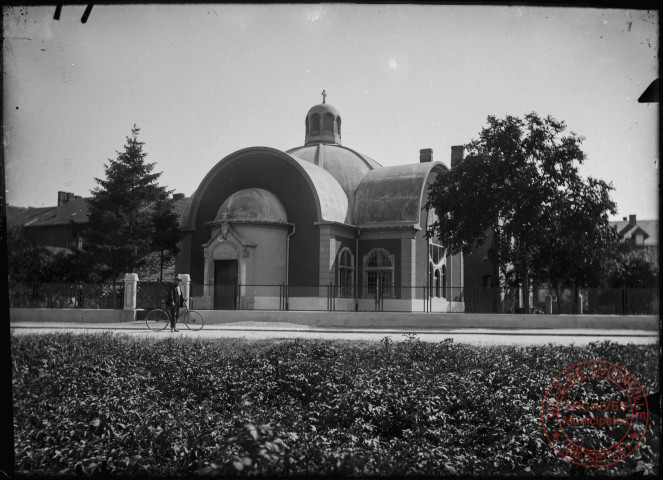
[(225, 284)]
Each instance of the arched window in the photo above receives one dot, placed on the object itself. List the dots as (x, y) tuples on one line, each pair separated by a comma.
[(306, 124), (379, 272), (315, 123), (328, 123), (338, 126), (346, 272), (437, 270)]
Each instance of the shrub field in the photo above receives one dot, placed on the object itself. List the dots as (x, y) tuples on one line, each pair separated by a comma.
[(107, 404)]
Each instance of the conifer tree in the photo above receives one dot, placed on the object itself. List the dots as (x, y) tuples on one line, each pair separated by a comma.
[(126, 210)]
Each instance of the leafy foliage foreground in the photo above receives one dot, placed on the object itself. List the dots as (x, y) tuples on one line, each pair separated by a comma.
[(108, 404)]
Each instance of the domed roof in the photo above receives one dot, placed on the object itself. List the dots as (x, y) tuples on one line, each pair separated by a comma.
[(323, 123), (344, 164), (322, 108), (252, 205)]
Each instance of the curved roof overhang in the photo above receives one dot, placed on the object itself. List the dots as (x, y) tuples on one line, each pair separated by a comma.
[(394, 196), (331, 203)]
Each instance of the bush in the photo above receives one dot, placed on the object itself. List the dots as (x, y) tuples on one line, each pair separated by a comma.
[(110, 404)]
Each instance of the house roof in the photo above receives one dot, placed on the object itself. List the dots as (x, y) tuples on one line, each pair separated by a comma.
[(648, 227), (75, 210), (19, 216)]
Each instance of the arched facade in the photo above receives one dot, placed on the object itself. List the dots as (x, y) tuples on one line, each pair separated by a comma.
[(317, 215)]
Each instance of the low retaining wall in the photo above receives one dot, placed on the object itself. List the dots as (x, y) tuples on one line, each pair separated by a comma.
[(435, 320), (81, 315), (384, 320)]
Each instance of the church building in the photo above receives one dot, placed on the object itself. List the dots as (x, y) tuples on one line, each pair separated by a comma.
[(320, 226)]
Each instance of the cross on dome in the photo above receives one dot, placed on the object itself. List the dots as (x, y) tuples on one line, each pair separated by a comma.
[(324, 96)]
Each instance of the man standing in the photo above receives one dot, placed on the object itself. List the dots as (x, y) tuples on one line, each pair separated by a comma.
[(176, 301)]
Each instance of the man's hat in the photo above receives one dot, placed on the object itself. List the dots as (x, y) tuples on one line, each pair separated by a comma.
[(178, 279)]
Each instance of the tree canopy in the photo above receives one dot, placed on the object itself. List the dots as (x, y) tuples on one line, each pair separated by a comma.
[(26, 261), (520, 179), (633, 268), (130, 214)]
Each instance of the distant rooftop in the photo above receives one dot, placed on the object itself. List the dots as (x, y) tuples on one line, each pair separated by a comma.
[(629, 226), (74, 209)]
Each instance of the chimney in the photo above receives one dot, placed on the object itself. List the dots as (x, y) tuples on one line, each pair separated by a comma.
[(178, 196), (62, 198), (631, 220), (457, 155), (425, 155), (70, 196)]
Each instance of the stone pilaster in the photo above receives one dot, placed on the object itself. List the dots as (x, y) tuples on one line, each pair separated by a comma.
[(408, 266), (130, 287), (185, 286)]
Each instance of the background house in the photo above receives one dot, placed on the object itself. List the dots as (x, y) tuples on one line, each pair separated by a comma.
[(59, 228), (641, 234)]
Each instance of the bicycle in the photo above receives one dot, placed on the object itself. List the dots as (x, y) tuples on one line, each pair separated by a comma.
[(159, 319)]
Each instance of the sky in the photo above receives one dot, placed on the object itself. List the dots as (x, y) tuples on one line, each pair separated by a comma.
[(202, 81)]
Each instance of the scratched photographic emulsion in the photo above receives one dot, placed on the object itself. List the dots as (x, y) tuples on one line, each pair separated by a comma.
[(331, 240)]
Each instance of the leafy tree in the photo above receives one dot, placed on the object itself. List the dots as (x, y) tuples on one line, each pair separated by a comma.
[(520, 179), (579, 243), (26, 260), (633, 269), (128, 211), (73, 267)]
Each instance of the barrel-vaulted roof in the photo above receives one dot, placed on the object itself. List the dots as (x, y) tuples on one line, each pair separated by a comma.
[(331, 202), (393, 196)]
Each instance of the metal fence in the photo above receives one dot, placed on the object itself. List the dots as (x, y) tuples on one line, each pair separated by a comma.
[(66, 295), (591, 301), (322, 298), (420, 298), (149, 295)]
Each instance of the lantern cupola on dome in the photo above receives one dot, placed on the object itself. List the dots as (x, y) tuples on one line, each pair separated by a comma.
[(323, 123)]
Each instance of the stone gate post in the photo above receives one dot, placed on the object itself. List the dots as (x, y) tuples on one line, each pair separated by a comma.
[(185, 286), (130, 287), (549, 304)]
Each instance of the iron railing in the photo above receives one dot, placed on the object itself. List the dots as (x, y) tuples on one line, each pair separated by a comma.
[(332, 297), (565, 301), (66, 295)]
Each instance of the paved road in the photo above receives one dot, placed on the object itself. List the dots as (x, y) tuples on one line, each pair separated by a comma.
[(265, 330)]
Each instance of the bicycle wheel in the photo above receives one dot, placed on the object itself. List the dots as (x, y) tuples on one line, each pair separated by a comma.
[(157, 319), (193, 320)]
